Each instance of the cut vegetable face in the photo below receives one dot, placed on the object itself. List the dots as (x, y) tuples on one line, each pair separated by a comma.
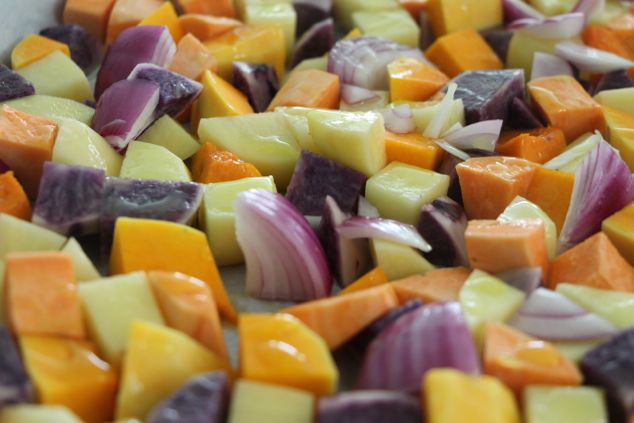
[(13, 85)]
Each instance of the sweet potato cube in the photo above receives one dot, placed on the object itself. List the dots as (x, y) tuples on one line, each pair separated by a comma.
[(192, 58), (621, 129), (565, 104), (34, 47), (462, 51), (495, 246), (218, 99), (411, 80), (211, 164), (205, 27), (596, 263), (414, 149), (309, 88), (26, 142), (489, 184), (91, 14), (538, 145), (620, 229), (551, 191), (69, 373), (373, 278), (447, 16), (41, 295), (128, 13), (437, 286), (209, 7), (13, 199), (165, 16)]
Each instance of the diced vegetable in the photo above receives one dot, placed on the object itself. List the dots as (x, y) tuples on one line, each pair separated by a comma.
[(33, 48), (82, 265), (15, 383), (192, 58), (314, 42), (556, 404), (83, 46), (211, 165), (93, 16), (619, 229), (398, 260), (53, 108), (443, 53), (309, 88), (414, 80), (369, 407), (37, 413), (165, 15), (153, 162), (217, 99), (499, 39), (538, 145), (551, 191), (17, 235), (206, 27), (436, 286), (521, 116), (128, 14), (449, 16), (310, 12), (13, 85), (391, 24), (414, 149), (254, 401), (167, 133), (373, 278), (215, 8), (443, 223), (614, 80), (258, 82), (370, 332), (13, 199)]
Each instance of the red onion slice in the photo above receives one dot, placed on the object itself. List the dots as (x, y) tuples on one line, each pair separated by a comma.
[(353, 95), (546, 303), (589, 8), (399, 119), (366, 209), (456, 152), (385, 229), (519, 9), (591, 59), (552, 28), (526, 279), (434, 128), (481, 135), (284, 258), (545, 64)]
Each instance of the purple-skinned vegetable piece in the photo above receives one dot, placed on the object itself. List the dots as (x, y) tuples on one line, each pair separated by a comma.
[(70, 199), (499, 40), (316, 177), (431, 336), (443, 223), (309, 12), (177, 92), (84, 48), (369, 407), (203, 399), (370, 332), (614, 80), (521, 116), (15, 384), (4, 167), (315, 42), (426, 34), (487, 95), (258, 82), (526, 279), (13, 85)]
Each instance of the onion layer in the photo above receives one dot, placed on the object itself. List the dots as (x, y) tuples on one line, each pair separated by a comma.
[(481, 135), (386, 229), (591, 59), (545, 64), (399, 119)]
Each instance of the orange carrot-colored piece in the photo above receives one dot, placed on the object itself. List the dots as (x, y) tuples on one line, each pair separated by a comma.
[(309, 88), (41, 295), (209, 7), (414, 149), (461, 51), (412, 80), (205, 27), (565, 104), (551, 191), (596, 263), (91, 14), (337, 319), (373, 278), (437, 286), (165, 16), (489, 184), (34, 47), (414, 7), (520, 360), (537, 145), (211, 164), (192, 58), (13, 199), (128, 13), (495, 246)]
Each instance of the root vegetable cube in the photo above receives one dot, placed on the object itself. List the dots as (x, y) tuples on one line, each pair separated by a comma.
[(70, 373), (414, 149), (92, 15), (615, 306), (565, 104), (412, 80), (396, 25), (84, 268), (620, 229), (13, 199), (143, 244), (489, 184), (111, 305), (128, 13), (82, 45), (206, 27), (35, 47), (192, 58), (41, 295), (437, 286), (37, 414), (618, 99), (373, 278), (154, 162), (53, 108), (397, 260), (26, 142), (400, 190), (539, 145), (212, 165), (16, 383), (17, 235), (278, 13), (621, 128), (551, 191), (254, 401), (582, 404), (209, 7), (495, 246), (522, 49), (13, 85), (308, 88), (447, 16), (168, 133), (344, 9), (596, 263), (165, 16)]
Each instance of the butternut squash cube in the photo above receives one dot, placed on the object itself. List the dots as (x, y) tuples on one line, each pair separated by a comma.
[(551, 191), (129, 13), (34, 47), (621, 130), (308, 88), (411, 80), (620, 229), (165, 16), (91, 14), (192, 58), (209, 7), (447, 16), (414, 149), (219, 98), (537, 145), (13, 199)]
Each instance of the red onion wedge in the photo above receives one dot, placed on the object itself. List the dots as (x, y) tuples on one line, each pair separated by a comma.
[(603, 185), (481, 135), (139, 44), (434, 128), (552, 28), (526, 279), (431, 336), (124, 110), (362, 61), (589, 8), (399, 119), (284, 258), (456, 152), (352, 95), (591, 59), (366, 209), (443, 222), (545, 64), (519, 9), (385, 229), (551, 316)]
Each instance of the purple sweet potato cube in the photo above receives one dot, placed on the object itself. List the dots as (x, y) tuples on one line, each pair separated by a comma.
[(499, 40), (614, 80), (369, 407), (13, 85), (69, 199), (84, 48), (521, 116), (15, 385), (315, 42), (309, 12), (316, 177)]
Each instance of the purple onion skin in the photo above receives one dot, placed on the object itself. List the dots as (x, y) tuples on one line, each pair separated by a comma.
[(316, 177), (309, 12), (84, 48), (15, 384), (70, 199), (498, 39), (315, 42), (13, 85), (258, 82), (611, 367), (614, 80), (369, 407), (443, 224), (521, 116), (487, 95), (526, 279), (203, 399)]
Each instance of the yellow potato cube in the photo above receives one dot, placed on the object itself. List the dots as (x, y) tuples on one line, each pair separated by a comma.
[(448, 16), (17, 235), (344, 9), (53, 108), (38, 414), (579, 404), (620, 99), (620, 229), (151, 161), (398, 261), (396, 25), (261, 402), (279, 13), (84, 268), (168, 133), (522, 49)]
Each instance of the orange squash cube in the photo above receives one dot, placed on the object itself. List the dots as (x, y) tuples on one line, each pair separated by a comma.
[(34, 47), (373, 278), (41, 295), (209, 7), (192, 58), (551, 191), (128, 13), (211, 164), (91, 14), (165, 16), (206, 27), (414, 149), (489, 184), (308, 88), (537, 145), (13, 199), (565, 104), (411, 80), (461, 51), (437, 286)]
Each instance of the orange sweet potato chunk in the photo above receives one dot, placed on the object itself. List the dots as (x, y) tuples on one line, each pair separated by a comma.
[(91, 14), (209, 7), (596, 263), (26, 142), (41, 295), (412, 80), (565, 104), (433, 287), (309, 88), (489, 184), (495, 246), (205, 27), (13, 199), (414, 149), (192, 58), (373, 278), (128, 13), (551, 191), (414, 7), (537, 145), (33, 48), (210, 164), (165, 16)]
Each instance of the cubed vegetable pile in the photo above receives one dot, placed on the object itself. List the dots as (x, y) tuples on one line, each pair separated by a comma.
[(430, 204)]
